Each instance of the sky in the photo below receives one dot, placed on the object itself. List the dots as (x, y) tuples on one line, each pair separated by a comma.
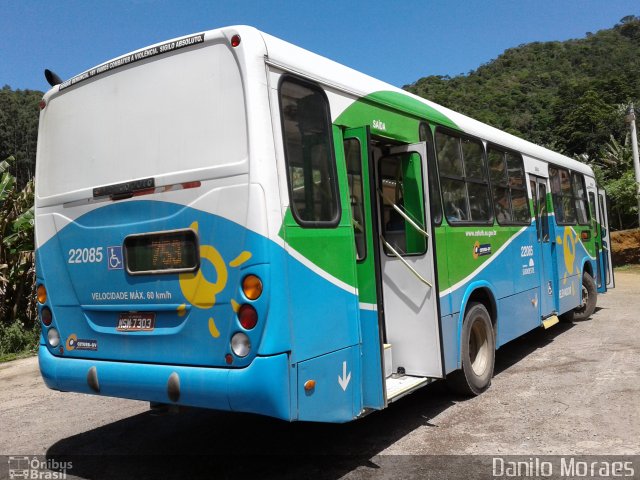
[(395, 41)]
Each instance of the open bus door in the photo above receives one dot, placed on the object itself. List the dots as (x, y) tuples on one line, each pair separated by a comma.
[(395, 266), (544, 255), (407, 262), (597, 235), (606, 238)]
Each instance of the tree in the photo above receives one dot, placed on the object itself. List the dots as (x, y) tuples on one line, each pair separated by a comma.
[(17, 273), (617, 177), (19, 115)]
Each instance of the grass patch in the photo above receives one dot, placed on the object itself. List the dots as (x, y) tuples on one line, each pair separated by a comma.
[(16, 341), (8, 357), (628, 268)]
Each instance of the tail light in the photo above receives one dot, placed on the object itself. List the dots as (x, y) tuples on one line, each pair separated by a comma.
[(53, 337), (252, 287), (247, 316), (46, 316), (240, 344), (41, 294)]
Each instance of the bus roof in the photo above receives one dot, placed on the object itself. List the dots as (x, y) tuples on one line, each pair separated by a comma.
[(333, 74)]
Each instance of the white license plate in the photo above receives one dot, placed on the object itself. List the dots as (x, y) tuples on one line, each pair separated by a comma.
[(136, 322)]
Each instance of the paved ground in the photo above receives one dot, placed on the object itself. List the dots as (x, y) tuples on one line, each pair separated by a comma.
[(570, 390)]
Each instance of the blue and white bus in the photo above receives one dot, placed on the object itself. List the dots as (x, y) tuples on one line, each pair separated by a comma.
[(226, 220)]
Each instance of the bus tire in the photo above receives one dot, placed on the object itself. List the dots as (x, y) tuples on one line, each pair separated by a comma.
[(567, 317), (589, 298), (477, 351)]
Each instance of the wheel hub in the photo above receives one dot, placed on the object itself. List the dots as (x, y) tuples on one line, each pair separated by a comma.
[(478, 348)]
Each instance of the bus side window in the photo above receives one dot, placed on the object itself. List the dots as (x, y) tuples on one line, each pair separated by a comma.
[(510, 197), (564, 206), (500, 185), (434, 189), (311, 173), (580, 197), (463, 176), (592, 213)]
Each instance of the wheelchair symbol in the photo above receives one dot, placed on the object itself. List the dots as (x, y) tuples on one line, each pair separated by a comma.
[(114, 258)]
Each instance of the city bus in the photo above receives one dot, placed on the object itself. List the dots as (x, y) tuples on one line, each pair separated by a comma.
[(228, 221)]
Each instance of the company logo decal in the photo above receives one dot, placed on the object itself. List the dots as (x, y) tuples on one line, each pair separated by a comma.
[(75, 343), (481, 249)]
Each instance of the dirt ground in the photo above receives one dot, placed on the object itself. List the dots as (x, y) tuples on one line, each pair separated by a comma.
[(570, 390), (625, 247)]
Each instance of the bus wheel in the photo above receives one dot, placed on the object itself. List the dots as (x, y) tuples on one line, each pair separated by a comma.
[(589, 298), (478, 351)]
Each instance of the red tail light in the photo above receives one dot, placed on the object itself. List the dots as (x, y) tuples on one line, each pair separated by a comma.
[(46, 316), (248, 316)]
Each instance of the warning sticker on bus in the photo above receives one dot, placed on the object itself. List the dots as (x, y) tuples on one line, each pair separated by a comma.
[(134, 57)]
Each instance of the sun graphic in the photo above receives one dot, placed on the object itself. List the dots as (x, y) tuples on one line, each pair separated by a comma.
[(201, 292)]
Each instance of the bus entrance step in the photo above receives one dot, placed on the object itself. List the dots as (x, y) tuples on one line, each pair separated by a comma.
[(399, 386), (550, 321), (388, 360)]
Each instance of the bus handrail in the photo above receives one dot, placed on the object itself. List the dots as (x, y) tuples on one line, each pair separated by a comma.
[(403, 215), (406, 264)]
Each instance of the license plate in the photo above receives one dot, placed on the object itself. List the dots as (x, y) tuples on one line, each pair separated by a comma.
[(136, 322)]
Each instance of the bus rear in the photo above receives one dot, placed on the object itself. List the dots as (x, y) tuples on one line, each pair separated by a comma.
[(153, 269)]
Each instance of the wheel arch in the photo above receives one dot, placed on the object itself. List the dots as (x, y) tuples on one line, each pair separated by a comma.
[(587, 267), (483, 292)]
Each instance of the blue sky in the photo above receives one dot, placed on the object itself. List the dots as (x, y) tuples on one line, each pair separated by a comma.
[(396, 41)]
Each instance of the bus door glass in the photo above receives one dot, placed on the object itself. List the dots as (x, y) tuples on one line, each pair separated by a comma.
[(539, 195), (358, 159), (606, 238), (595, 231), (409, 289)]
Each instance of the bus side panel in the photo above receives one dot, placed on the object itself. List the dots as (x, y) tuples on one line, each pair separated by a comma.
[(323, 315), (443, 268), (449, 325), (570, 255), (335, 395), (521, 306), (371, 360)]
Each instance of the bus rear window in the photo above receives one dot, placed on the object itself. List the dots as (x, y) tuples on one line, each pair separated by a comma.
[(170, 114)]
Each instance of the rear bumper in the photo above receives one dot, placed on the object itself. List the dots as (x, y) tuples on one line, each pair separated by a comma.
[(262, 387)]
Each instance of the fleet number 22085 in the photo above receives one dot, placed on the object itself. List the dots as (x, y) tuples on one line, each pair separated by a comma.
[(85, 255)]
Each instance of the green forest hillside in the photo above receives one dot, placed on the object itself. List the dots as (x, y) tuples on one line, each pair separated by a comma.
[(19, 115), (566, 95), (569, 96)]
